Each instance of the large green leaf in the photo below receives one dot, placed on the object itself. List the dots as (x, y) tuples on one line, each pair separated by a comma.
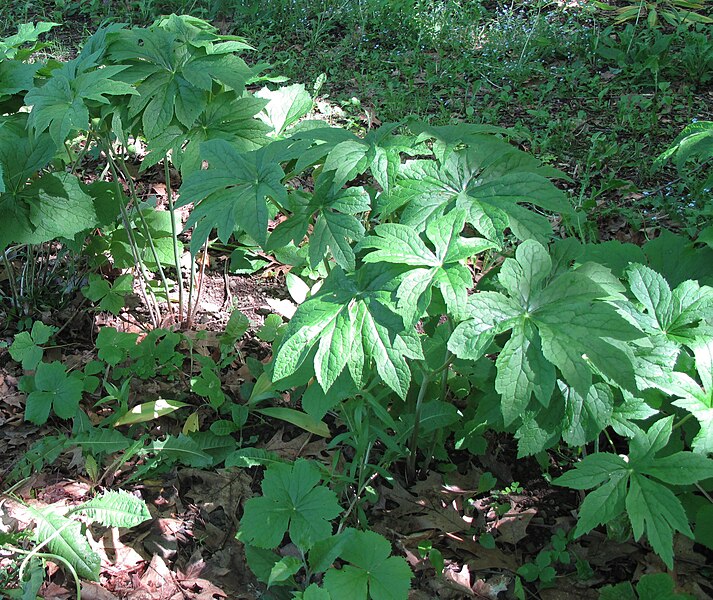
[(441, 267), (61, 104), (173, 66), (285, 106), (115, 509), (637, 485), (57, 207), (232, 192), (562, 320), (226, 116), (352, 323), (371, 572), (292, 501), (489, 180), (66, 540), (680, 315)]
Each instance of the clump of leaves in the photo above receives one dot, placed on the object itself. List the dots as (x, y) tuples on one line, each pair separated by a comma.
[(636, 484), (293, 502), (65, 538)]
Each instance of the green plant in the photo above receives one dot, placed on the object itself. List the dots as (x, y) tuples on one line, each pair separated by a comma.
[(293, 502), (651, 585), (542, 569), (66, 541), (444, 309), (694, 144), (635, 484), (674, 12)]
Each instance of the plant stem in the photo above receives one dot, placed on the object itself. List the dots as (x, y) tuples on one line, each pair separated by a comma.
[(413, 442), (147, 232), (11, 279), (174, 236), (153, 305), (683, 420)]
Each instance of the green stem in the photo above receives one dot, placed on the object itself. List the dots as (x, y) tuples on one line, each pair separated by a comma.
[(81, 153), (53, 558), (327, 267), (147, 232), (174, 236), (36, 552), (153, 305), (11, 279), (683, 421), (413, 442)]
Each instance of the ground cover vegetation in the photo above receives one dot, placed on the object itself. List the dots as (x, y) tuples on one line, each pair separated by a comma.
[(356, 299)]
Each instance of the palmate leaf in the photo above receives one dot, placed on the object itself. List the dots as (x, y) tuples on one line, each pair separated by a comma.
[(488, 180), (631, 485), (675, 314), (371, 572), (353, 325), (173, 66), (446, 138), (27, 33), (292, 501), (336, 225), (441, 267), (562, 321), (227, 116), (232, 192), (346, 156), (53, 389), (57, 207), (60, 105), (284, 107), (21, 156)]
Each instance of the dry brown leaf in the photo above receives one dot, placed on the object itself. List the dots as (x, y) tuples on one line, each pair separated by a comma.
[(459, 579), (422, 512), (93, 591), (199, 589), (301, 446), (117, 554), (211, 490), (159, 579), (512, 526), (483, 558)]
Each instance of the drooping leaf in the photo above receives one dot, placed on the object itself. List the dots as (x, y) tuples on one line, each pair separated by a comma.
[(226, 116), (348, 319), (337, 226), (631, 486)]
